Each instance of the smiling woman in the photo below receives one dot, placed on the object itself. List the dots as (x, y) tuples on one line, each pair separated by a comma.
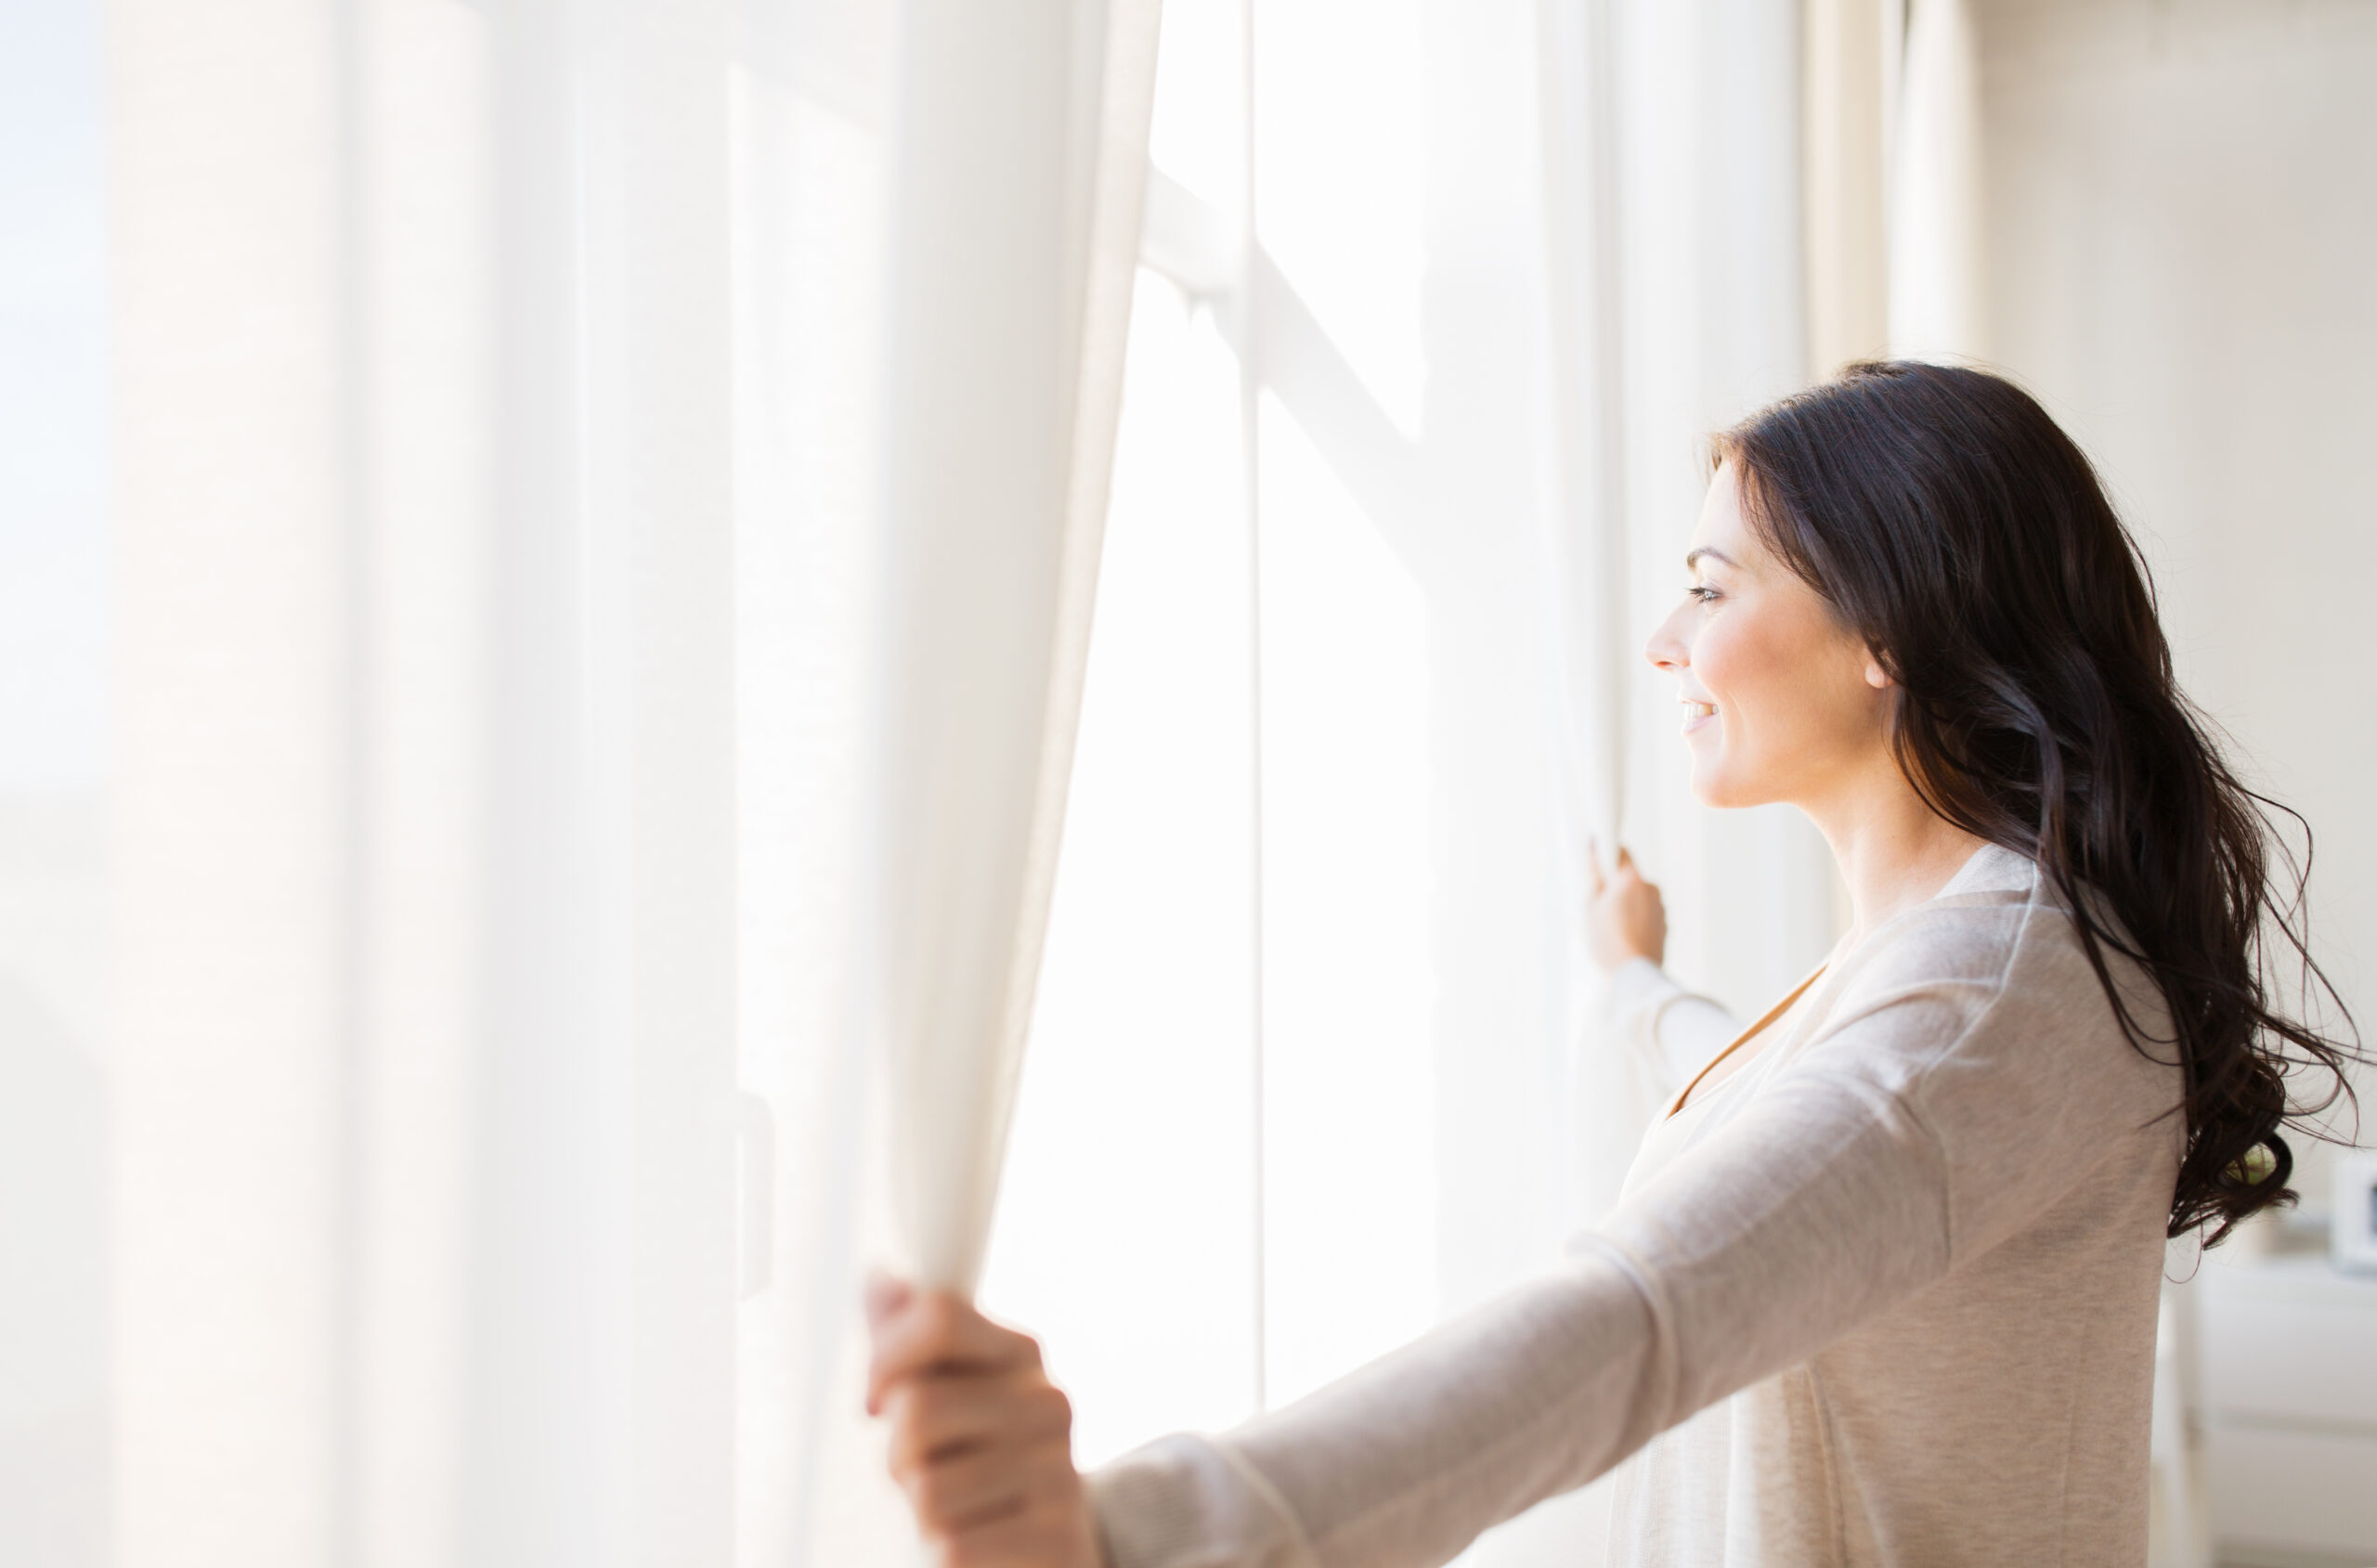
[(1885, 1290), (1750, 644), (1951, 527)]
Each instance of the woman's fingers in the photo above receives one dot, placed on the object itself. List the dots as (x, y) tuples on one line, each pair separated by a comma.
[(1052, 1531), (1621, 872), (934, 1332), (885, 1295), (936, 1417), (980, 1440), (1005, 1494), (987, 1485), (1625, 918)]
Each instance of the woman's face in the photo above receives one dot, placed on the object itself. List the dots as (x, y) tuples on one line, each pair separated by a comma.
[(1781, 702)]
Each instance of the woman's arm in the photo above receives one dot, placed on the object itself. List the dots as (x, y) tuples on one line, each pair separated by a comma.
[(1947, 1101), (1822, 1203), (1672, 1032), (1925, 1127)]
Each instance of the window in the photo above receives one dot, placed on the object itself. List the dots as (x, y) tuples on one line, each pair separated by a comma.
[(1221, 1190)]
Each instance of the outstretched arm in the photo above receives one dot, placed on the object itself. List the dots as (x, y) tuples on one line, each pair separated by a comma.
[(1924, 1129), (1937, 1113), (1819, 1206)]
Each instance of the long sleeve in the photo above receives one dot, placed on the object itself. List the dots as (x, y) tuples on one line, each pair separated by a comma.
[(1959, 1083), (1671, 1032)]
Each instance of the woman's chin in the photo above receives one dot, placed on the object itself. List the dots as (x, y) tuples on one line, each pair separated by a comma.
[(1714, 785)]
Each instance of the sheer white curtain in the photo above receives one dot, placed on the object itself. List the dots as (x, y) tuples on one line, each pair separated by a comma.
[(1938, 246), (1677, 290), (1021, 143), (604, 496)]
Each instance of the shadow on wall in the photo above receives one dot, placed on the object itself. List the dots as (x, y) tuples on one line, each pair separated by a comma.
[(54, 1437)]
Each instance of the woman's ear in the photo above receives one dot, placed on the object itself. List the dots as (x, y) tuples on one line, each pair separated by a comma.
[(1876, 676)]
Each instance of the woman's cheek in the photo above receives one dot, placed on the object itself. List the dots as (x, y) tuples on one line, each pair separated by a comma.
[(1721, 670), (1748, 677)]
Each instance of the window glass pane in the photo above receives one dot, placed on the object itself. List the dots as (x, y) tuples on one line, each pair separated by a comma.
[(1348, 989), (1340, 179), (1199, 133)]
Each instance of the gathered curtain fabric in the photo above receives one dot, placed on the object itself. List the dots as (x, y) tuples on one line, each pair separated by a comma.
[(1675, 305), (948, 560), (1938, 266), (1020, 167), (605, 499)]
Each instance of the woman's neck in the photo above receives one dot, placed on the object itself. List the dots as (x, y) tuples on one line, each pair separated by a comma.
[(1893, 850)]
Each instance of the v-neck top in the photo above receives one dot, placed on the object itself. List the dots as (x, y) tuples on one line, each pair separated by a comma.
[(1886, 1295), (1767, 1021)]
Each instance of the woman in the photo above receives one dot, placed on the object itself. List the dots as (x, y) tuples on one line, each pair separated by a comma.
[(1882, 1287)]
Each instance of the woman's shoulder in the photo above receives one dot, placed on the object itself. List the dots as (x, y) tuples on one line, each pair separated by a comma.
[(1999, 922), (1996, 967), (1968, 934)]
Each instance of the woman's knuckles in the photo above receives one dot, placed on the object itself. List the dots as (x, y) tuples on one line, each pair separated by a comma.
[(928, 1414), (986, 1486), (980, 1437), (949, 1503), (1050, 1532)]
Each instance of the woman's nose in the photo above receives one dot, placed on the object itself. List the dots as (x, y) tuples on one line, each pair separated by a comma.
[(1666, 649)]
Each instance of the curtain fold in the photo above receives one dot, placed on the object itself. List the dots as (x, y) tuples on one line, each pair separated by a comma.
[(1019, 171), (1674, 263), (1937, 304), (424, 851), (1845, 72), (577, 464), (1585, 548), (1584, 300)]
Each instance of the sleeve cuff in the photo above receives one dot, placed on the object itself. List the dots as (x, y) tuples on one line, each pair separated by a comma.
[(1188, 1501)]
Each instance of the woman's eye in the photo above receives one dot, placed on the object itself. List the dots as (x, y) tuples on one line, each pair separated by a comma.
[(1701, 591)]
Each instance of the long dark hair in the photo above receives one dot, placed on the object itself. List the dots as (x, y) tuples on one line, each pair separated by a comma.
[(1967, 540)]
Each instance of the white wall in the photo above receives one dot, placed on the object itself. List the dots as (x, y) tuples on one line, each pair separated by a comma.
[(2183, 213)]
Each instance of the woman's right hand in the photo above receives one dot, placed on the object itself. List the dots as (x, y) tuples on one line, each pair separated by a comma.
[(982, 1441), (1624, 918)]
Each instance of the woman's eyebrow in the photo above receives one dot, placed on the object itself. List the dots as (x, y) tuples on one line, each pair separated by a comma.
[(1691, 558)]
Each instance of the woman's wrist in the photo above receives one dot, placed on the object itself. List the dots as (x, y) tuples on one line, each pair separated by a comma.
[(1636, 983)]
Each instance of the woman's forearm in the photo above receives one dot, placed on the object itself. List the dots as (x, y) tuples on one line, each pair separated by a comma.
[(1674, 1032)]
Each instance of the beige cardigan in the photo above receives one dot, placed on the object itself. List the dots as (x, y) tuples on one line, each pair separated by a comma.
[(1884, 1295)]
